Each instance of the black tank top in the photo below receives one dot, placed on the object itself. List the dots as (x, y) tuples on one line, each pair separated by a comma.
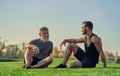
[(91, 51)]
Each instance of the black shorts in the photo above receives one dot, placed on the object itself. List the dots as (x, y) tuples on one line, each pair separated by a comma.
[(86, 63), (35, 60)]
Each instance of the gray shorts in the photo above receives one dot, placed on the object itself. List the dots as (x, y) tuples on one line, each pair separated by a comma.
[(86, 63)]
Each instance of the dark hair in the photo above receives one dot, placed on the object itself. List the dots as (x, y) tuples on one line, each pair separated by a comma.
[(88, 24), (43, 28)]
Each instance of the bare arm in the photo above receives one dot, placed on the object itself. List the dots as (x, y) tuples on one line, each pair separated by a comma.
[(34, 48), (98, 45), (80, 40)]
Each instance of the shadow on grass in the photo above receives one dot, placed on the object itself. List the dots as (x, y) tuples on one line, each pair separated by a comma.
[(9, 60)]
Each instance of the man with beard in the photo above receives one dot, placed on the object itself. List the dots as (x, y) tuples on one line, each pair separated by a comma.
[(93, 48), (37, 53)]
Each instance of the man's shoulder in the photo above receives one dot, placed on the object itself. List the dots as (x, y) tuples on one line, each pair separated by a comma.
[(95, 38), (34, 41)]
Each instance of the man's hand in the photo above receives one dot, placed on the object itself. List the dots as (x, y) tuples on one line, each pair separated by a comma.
[(63, 42), (35, 50)]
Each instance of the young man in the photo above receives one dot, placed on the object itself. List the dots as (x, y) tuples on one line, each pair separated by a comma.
[(37, 54), (93, 48)]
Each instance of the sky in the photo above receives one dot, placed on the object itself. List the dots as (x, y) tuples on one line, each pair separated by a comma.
[(20, 20)]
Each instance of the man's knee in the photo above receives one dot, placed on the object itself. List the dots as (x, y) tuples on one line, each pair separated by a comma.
[(73, 47), (49, 59), (71, 44), (75, 65)]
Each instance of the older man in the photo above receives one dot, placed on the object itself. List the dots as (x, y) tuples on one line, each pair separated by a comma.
[(37, 54)]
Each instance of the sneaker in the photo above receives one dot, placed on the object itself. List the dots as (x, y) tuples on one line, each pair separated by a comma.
[(61, 66), (28, 67)]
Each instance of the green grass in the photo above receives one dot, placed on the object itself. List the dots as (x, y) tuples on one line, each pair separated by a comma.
[(15, 69)]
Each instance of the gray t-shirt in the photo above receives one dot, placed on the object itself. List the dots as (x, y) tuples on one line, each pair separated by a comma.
[(44, 48)]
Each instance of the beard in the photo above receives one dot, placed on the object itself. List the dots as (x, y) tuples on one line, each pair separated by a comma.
[(44, 39), (84, 33)]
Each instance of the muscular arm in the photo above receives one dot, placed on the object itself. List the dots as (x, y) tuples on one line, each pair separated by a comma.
[(98, 45), (80, 40)]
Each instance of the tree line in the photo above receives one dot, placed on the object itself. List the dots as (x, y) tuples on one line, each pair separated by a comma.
[(16, 52), (11, 51)]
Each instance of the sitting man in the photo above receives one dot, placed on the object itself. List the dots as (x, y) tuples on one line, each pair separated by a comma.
[(37, 54), (93, 48)]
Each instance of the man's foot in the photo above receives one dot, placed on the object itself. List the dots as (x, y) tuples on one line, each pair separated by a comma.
[(61, 66), (28, 67)]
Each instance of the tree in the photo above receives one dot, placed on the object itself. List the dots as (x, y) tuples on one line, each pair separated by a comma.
[(55, 51), (2, 44), (19, 53), (106, 55), (6, 54), (116, 58)]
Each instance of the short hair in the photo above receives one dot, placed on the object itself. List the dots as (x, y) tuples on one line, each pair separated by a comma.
[(43, 28), (88, 24)]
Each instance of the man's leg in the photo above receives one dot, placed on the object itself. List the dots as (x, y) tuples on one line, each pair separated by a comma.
[(28, 57), (71, 47), (80, 55), (85, 63), (43, 63), (76, 64)]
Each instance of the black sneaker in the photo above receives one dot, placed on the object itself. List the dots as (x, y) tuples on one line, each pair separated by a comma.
[(61, 66), (28, 67)]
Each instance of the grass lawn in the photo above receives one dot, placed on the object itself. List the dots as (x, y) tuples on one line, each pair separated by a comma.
[(15, 69)]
